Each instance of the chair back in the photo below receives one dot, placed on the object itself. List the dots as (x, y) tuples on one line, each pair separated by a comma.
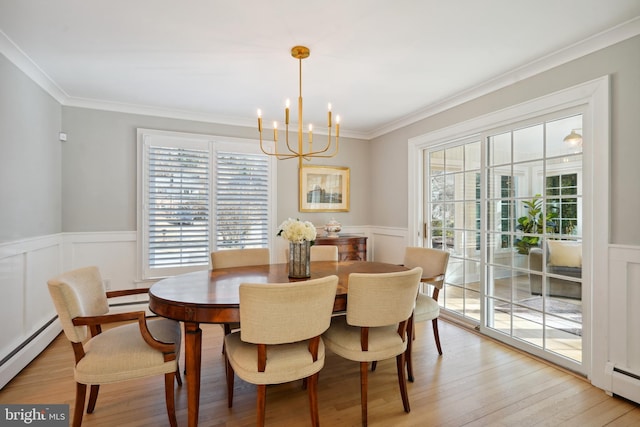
[(78, 293), (381, 299), (277, 313), (324, 253), (432, 261), (239, 257)]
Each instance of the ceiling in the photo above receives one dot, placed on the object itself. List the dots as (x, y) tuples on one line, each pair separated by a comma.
[(381, 64)]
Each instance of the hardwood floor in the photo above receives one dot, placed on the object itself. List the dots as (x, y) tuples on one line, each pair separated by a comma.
[(477, 382)]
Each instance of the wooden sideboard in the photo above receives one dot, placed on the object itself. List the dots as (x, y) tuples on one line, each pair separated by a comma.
[(350, 247)]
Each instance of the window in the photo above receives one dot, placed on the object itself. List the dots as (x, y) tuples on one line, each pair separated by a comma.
[(199, 194)]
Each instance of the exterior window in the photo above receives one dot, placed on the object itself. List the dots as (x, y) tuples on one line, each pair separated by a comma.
[(199, 195), (562, 198)]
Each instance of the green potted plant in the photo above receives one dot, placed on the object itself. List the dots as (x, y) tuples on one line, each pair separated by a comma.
[(534, 223)]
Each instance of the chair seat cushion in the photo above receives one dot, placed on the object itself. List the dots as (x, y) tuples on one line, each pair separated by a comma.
[(120, 353), (344, 340), (426, 308), (285, 362)]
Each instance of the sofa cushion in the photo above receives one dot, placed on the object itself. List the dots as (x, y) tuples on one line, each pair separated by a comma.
[(563, 253)]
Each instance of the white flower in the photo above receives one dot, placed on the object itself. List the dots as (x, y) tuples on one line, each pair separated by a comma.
[(297, 231)]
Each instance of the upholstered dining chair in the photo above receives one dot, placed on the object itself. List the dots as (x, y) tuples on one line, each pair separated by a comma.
[(137, 349), (379, 306), (434, 267), (238, 258), (324, 253), (280, 340)]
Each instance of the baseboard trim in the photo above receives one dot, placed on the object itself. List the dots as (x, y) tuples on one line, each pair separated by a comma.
[(22, 355)]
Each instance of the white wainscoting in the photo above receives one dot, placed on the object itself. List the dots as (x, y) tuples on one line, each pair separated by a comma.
[(26, 310), (622, 367), (114, 253), (387, 244), (26, 266)]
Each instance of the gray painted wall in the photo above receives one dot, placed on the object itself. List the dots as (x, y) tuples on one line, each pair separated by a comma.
[(621, 61), (99, 170), (89, 182), (30, 186)]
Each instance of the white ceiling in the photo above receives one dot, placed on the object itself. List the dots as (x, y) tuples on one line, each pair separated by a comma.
[(380, 63)]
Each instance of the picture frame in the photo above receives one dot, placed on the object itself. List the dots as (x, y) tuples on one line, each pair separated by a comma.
[(324, 189)]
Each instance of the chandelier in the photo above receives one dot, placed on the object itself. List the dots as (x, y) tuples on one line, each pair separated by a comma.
[(299, 152)]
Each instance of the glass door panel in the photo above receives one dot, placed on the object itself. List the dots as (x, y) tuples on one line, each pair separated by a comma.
[(509, 211)]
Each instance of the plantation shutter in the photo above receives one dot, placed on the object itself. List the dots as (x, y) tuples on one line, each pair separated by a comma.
[(242, 200), (178, 206)]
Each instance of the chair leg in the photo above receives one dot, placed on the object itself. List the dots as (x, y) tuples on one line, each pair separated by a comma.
[(81, 392), (178, 376), (227, 331), (409, 360), (169, 397), (374, 365), (436, 335), (93, 397), (230, 379), (312, 384), (402, 382), (364, 384), (261, 403)]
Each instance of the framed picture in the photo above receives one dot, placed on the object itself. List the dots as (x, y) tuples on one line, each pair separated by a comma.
[(324, 189)]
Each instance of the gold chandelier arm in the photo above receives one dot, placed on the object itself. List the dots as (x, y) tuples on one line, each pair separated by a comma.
[(279, 156)]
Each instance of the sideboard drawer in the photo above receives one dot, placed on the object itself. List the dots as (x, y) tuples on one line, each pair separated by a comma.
[(350, 247)]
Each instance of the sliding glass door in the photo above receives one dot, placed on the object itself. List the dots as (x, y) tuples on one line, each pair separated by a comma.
[(507, 205)]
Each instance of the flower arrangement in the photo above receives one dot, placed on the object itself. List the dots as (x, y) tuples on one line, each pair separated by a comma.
[(297, 231)]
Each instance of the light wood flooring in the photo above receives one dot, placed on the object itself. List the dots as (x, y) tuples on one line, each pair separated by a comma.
[(477, 382)]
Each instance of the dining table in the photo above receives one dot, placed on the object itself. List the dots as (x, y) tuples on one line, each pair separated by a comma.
[(212, 296)]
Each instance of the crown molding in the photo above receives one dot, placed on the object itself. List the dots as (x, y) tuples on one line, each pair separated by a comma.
[(584, 47), (25, 64), (594, 43)]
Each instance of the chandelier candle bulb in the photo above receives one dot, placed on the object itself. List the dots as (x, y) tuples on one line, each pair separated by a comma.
[(275, 131), (259, 120), (286, 111)]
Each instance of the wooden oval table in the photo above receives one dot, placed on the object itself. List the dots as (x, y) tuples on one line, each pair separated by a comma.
[(211, 296)]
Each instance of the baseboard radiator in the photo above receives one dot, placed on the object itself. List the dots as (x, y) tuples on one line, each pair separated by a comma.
[(623, 383)]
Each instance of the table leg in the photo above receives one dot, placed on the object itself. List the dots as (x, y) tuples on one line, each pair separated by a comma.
[(193, 353)]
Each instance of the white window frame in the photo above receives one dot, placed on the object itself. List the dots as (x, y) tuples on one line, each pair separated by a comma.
[(188, 140)]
